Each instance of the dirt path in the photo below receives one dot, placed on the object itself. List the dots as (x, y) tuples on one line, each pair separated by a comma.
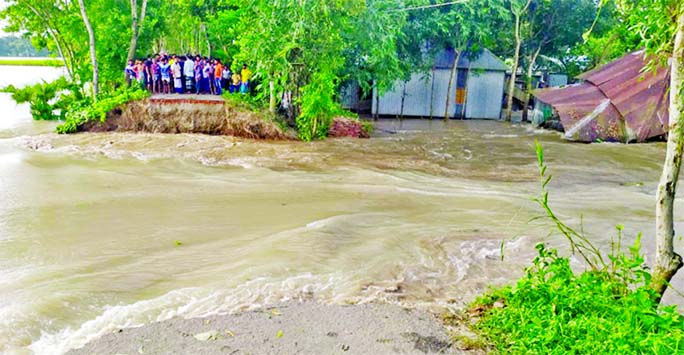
[(289, 328)]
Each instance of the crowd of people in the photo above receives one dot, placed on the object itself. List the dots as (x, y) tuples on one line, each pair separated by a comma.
[(166, 74)]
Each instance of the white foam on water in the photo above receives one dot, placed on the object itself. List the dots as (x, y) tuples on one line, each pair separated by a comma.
[(317, 224), (440, 266), (467, 190), (191, 303), (491, 135)]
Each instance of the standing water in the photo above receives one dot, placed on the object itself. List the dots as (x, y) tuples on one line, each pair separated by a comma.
[(103, 231)]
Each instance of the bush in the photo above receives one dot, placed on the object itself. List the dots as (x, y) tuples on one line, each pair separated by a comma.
[(47, 100), (608, 309), (85, 111), (551, 310), (318, 107)]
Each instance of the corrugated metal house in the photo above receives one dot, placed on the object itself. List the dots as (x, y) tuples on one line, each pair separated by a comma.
[(478, 92), (616, 102)]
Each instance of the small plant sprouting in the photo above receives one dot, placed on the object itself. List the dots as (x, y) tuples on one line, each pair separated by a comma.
[(579, 243)]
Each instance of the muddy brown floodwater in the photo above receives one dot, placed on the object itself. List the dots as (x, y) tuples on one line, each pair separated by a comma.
[(100, 231)]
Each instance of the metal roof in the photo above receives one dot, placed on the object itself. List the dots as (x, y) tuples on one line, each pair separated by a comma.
[(483, 59), (616, 102)]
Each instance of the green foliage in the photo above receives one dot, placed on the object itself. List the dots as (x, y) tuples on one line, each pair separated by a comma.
[(608, 309), (249, 102), (86, 111), (368, 127), (318, 107), (47, 100), (552, 310)]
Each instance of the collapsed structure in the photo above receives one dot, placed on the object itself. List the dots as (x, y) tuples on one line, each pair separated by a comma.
[(619, 102)]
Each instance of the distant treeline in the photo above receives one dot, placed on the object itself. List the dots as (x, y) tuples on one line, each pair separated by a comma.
[(12, 46)]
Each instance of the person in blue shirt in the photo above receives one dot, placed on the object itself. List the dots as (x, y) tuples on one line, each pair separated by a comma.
[(165, 69)]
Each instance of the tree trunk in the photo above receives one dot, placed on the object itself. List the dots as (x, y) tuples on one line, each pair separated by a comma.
[(206, 37), (377, 103), (432, 94), (668, 262), (136, 25), (514, 69), (70, 74), (530, 72), (454, 77), (403, 99), (462, 111), (272, 99), (93, 53), (67, 56)]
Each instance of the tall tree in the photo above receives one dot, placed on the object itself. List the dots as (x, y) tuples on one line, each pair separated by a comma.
[(660, 26), (468, 30), (51, 25), (137, 22), (555, 27), (668, 262), (93, 50), (518, 9)]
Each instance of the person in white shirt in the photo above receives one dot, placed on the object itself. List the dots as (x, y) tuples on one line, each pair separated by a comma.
[(177, 81), (189, 72)]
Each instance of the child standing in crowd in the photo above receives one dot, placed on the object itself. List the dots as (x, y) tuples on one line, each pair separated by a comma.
[(235, 88), (225, 78), (177, 77), (218, 75), (165, 76), (140, 72), (129, 72), (246, 75)]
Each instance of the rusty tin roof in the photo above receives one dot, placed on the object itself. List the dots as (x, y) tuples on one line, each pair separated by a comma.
[(616, 102)]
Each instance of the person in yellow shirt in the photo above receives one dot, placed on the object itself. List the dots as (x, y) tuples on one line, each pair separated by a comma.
[(246, 75), (236, 81)]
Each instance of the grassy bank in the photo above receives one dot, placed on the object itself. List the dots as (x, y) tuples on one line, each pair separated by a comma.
[(609, 308), (34, 62)]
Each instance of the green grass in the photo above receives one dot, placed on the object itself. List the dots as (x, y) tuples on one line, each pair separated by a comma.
[(35, 62), (608, 309), (555, 311)]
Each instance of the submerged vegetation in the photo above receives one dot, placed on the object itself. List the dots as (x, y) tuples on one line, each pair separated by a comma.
[(48, 100)]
